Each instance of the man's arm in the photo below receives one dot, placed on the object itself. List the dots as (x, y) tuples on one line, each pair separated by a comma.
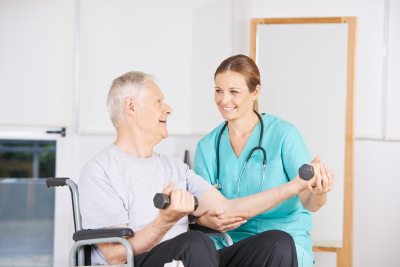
[(142, 241), (249, 206), (253, 205), (182, 203), (315, 197)]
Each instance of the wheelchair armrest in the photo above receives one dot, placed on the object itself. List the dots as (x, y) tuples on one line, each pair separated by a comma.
[(211, 232), (201, 228), (102, 233)]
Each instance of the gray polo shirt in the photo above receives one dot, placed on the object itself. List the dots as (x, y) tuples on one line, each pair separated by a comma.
[(116, 188)]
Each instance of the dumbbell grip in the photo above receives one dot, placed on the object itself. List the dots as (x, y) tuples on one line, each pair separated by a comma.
[(162, 201), (306, 172)]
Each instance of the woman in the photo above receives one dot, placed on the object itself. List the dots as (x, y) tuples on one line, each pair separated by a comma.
[(237, 86)]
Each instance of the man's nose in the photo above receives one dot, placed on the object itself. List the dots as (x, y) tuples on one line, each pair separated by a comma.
[(167, 110)]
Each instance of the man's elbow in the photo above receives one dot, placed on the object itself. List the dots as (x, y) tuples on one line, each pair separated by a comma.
[(113, 254), (115, 260), (232, 210)]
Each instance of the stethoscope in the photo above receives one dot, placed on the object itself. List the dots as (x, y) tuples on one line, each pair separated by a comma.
[(217, 184)]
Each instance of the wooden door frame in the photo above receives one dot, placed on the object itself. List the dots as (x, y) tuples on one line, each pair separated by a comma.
[(345, 253)]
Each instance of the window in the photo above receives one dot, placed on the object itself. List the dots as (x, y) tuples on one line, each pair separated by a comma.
[(26, 204), (27, 159)]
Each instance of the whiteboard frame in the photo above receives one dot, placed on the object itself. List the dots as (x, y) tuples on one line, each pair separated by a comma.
[(345, 253)]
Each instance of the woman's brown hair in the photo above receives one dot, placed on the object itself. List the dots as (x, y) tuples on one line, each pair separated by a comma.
[(245, 66)]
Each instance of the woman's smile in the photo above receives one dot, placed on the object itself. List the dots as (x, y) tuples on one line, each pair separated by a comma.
[(228, 108)]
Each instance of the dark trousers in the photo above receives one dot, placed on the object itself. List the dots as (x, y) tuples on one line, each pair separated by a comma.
[(196, 249), (266, 249)]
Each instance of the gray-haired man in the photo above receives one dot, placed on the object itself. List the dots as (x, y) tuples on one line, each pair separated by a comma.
[(117, 187)]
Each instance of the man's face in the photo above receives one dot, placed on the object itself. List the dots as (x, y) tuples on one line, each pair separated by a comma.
[(153, 112)]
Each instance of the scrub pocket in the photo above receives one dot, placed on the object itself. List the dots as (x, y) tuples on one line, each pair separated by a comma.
[(303, 257), (273, 174)]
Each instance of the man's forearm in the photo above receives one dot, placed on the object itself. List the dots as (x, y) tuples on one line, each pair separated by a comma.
[(142, 241), (312, 202), (147, 238), (249, 206)]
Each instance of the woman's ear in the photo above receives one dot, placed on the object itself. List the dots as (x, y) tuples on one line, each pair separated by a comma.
[(130, 106), (256, 92)]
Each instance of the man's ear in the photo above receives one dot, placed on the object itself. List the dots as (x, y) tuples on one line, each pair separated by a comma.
[(130, 106)]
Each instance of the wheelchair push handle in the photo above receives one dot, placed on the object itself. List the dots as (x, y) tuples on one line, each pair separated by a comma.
[(52, 182)]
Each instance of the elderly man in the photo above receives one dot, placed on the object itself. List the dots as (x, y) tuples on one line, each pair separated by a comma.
[(117, 187)]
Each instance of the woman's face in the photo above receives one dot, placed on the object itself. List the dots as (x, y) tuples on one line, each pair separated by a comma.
[(232, 95)]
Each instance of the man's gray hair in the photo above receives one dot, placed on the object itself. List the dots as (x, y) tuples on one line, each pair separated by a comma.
[(130, 84)]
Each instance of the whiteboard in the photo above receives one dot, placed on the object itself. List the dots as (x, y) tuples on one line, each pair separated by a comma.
[(303, 81), (393, 79), (36, 63), (180, 42)]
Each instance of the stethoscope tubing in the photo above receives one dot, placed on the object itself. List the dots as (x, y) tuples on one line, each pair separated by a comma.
[(217, 184)]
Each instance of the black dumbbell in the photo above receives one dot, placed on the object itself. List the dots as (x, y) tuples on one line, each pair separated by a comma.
[(161, 201), (306, 172)]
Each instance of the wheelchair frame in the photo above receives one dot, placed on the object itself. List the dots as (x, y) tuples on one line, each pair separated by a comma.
[(84, 237)]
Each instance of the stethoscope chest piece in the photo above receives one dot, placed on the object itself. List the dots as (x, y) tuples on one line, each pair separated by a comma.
[(217, 185)]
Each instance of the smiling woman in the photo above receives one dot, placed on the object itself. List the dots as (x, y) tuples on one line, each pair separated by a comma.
[(241, 67), (248, 148)]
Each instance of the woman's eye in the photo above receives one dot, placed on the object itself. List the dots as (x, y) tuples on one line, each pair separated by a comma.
[(234, 92), (218, 91)]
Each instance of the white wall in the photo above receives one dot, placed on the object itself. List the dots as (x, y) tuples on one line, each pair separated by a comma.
[(36, 62), (376, 203), (180, 42), (376, 207)]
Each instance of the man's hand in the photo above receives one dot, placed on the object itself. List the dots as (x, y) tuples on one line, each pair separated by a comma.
[(324, 181), (216, 220), (182, 204)]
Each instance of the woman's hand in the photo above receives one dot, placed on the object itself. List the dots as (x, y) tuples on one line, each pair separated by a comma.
[(315, 194), (216, 220)]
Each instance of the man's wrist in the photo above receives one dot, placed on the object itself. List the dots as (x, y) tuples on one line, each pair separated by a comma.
[(164, 223), (191, 218), (322, 196)]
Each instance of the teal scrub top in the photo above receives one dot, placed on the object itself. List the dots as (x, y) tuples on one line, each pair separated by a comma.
[(286, 151)]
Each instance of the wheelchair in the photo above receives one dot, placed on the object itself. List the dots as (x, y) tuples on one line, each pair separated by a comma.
[(84, 238)]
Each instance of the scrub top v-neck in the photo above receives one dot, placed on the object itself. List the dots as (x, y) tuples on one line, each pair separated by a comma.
[(286, 151)]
